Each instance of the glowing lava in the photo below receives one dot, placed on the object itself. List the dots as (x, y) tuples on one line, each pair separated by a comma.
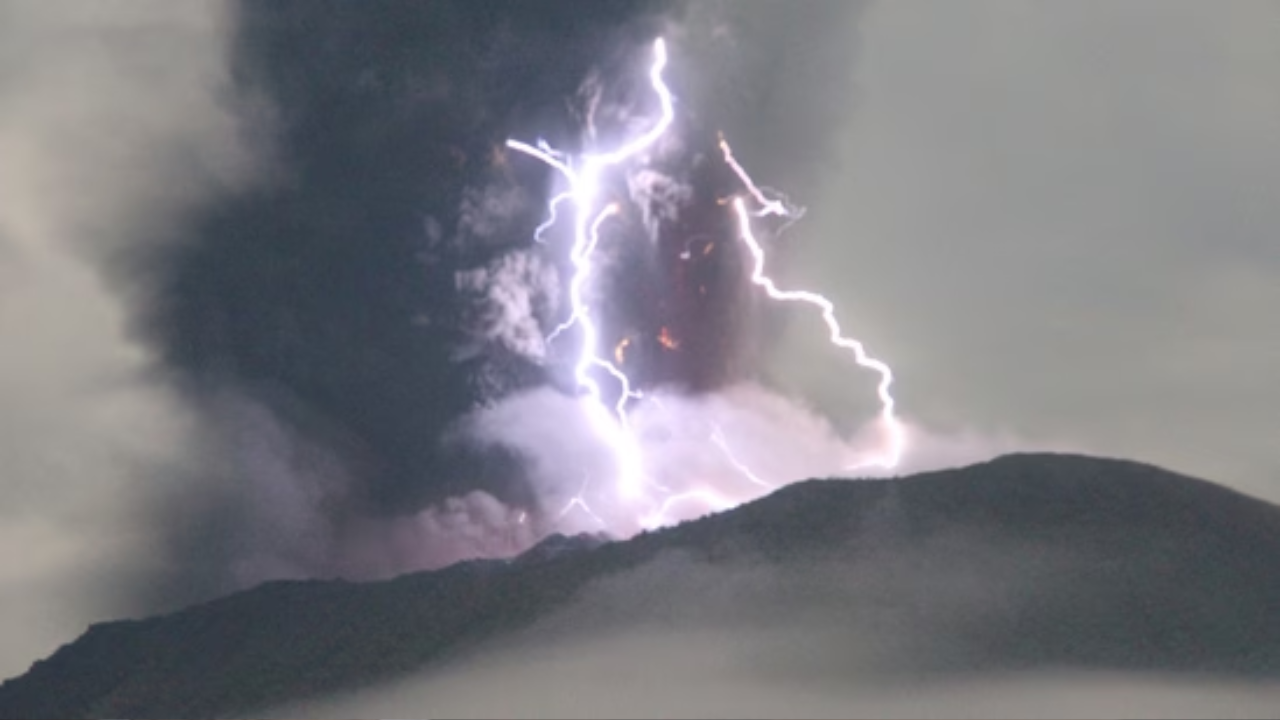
[(668, 340)]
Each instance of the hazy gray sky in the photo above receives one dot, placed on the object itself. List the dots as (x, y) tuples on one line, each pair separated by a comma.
[(1062, 220), (1059, 221), (109, 126)]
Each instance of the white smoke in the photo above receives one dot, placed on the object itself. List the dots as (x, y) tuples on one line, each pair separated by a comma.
[(298, 515), (510, 300), (659, 196), (729, 447)]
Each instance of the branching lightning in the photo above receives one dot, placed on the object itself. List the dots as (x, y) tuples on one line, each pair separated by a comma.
[(611, 422), (717, 437), (704, 496), (579, 502), (552, 218), (897, 436), (779, 205), (584, 192)]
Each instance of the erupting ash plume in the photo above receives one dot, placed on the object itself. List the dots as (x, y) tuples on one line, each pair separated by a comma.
[(609, 393)]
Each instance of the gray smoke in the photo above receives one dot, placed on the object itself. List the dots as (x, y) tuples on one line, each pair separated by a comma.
[(293, 505), (487, 214)]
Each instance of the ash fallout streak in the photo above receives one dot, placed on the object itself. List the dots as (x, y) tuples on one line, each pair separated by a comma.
[(653, 503)]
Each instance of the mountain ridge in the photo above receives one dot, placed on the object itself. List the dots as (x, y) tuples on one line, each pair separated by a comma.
[(1115, 564)]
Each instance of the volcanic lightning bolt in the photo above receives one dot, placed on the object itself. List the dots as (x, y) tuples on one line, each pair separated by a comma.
[(779, 206), (611, 421), (584, 192), (897, 436)]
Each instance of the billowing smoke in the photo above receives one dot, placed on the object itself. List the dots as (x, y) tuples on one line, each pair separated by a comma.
[(301, 516), (676, 442), (486, 214), (515, 297), (710, 452), (272, 305), (384, 397), (291, 505)]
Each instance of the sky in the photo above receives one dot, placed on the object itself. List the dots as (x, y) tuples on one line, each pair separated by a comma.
[(267, 303), (1060, 220)]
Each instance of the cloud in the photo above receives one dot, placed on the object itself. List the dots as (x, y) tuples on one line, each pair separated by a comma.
[(683, 637)]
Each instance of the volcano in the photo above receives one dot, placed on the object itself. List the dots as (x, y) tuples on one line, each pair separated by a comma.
[(1026, 563)]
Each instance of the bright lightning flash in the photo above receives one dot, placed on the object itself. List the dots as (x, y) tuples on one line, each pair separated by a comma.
[(897, 435), (611, 422), (584, 193)]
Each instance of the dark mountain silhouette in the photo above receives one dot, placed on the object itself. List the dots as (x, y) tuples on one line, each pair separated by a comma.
[(1086, 563)]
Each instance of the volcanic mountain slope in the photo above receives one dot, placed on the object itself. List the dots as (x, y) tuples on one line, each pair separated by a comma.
[(1026, 562)]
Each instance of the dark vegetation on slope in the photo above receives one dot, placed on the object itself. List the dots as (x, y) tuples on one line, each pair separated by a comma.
[(1133, 568)]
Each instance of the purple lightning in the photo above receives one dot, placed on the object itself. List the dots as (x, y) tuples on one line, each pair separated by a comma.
[(717, 437), (579, 502), (897, 434), (611, 422), (584, 191)]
